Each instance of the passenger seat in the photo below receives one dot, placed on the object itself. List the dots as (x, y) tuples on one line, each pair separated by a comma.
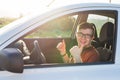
[(106, 35), (106, 41)]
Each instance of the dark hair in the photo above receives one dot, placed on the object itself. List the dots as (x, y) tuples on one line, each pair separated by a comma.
[(86, 25)]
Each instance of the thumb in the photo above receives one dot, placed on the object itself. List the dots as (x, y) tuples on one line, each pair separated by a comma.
[(63, 41)]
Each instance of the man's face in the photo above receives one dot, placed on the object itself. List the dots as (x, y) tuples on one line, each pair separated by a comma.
[(84, 37)]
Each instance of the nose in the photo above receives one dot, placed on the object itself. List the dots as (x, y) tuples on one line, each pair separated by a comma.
[(83, 37)]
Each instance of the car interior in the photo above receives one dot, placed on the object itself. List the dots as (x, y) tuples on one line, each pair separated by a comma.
[(40, 50)]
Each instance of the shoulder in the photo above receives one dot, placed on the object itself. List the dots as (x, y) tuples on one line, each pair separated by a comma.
[(92, 50)]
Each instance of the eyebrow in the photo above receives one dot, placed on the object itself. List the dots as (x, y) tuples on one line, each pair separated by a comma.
[(82, 33)]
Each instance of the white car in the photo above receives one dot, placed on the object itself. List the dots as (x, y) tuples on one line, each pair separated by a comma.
[(28, 46)]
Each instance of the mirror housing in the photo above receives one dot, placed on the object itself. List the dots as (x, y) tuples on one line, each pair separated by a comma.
[(11, 59)]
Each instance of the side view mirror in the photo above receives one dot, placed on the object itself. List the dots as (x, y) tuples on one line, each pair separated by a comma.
[(11, 59)]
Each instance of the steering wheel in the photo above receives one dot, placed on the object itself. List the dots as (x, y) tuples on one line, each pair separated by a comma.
[(38, 56)]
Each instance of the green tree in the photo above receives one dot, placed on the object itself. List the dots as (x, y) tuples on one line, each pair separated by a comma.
[(5, 20)]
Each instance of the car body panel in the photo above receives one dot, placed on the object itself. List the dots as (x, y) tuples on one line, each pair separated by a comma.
[(72, 73)]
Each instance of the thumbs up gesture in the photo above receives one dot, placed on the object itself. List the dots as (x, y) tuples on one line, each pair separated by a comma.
[(62, 47)]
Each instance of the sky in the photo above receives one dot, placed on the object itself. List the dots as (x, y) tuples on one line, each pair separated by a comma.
[(15, 8)]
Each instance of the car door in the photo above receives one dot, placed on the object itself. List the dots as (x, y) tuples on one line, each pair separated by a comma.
[(80, 70)]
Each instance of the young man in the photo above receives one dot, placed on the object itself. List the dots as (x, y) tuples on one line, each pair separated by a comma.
[(84, 52)]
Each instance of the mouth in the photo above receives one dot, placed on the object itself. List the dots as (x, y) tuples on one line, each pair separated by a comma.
[(82, 41)]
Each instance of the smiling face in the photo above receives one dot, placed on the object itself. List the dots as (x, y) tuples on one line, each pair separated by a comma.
[(84, 35)]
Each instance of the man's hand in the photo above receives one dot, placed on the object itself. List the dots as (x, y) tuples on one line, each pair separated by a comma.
[(76, 53), (62, 47)]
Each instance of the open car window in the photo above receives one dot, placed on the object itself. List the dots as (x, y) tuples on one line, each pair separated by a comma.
[(46, 37)]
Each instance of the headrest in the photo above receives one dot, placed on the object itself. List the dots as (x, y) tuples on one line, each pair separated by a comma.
[(106, 32)]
